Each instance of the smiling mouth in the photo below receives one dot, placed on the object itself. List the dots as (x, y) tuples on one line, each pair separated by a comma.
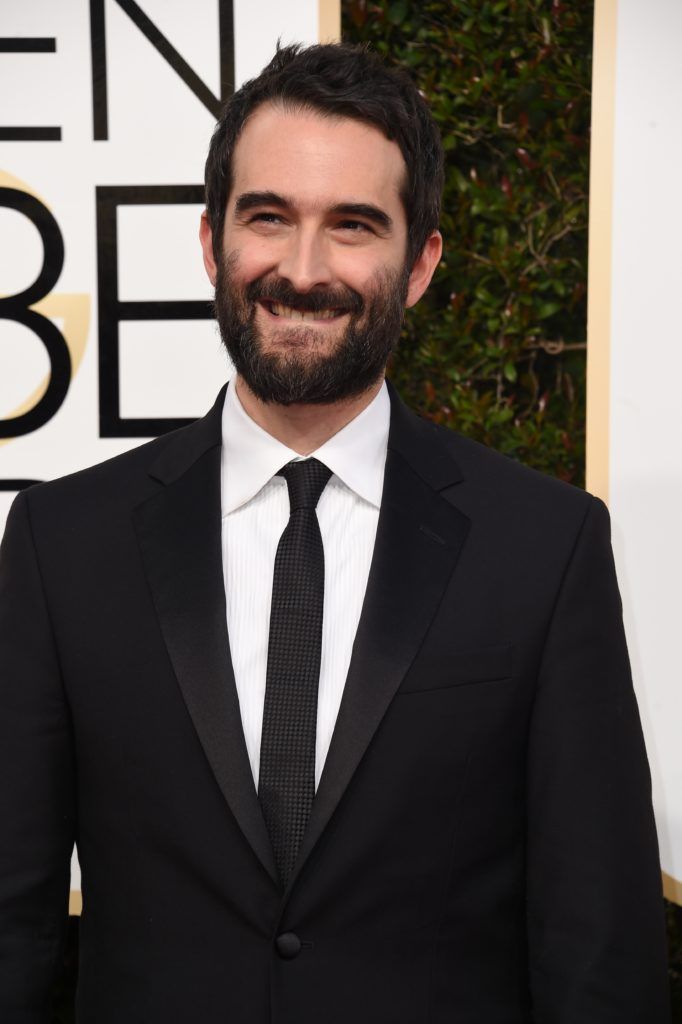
[(304, 315)]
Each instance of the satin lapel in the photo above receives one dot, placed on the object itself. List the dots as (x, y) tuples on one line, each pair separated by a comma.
[(179, 531), (419, 537)]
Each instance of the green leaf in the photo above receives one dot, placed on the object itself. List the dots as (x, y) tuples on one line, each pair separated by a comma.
[(460, 181), (397, 11)]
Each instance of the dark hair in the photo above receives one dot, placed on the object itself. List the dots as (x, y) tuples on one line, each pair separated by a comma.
[(338, 80)]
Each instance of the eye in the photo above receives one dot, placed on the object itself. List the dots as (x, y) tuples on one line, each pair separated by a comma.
[(266, 218), (356, 226)]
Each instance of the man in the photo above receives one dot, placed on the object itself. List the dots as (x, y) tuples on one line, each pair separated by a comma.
[(335, 703)]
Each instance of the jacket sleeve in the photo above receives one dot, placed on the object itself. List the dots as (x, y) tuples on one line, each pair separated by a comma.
[(37, 801), (595, 907)]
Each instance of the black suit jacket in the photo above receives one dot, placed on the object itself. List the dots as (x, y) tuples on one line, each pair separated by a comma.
[(481, 848)]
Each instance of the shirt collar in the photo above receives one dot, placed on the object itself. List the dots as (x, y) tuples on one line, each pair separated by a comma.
[(251, 456)]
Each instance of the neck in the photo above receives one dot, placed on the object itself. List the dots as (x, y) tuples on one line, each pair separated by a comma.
[(303, 428)]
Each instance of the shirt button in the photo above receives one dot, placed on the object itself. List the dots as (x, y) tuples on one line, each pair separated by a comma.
[(288, 945)]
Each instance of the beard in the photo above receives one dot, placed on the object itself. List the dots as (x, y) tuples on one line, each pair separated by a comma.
[(301, 369)]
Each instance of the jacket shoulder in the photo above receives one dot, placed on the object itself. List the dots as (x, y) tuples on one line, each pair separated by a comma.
[(502, 482), (130, 477), (123, 477)]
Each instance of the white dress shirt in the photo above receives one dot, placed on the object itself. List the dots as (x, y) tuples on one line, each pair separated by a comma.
[(255, 511)]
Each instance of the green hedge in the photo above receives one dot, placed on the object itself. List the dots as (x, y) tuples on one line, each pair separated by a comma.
[(497, 346)]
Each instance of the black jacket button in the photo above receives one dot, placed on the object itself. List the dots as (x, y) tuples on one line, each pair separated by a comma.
[(288, 945)]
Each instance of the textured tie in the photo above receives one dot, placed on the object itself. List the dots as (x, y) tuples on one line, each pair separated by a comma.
[(286, 785)]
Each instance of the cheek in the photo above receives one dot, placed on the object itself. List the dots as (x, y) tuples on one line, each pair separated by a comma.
[(249, 259), (359, 271)]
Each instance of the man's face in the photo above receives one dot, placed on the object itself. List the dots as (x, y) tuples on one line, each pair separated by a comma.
[(311, 284)]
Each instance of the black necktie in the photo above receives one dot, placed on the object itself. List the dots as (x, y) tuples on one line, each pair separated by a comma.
[(286, 785)]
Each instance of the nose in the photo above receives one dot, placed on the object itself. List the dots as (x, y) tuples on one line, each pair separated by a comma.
[(305, 262)]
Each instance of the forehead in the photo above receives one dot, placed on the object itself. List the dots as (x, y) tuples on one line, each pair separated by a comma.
[(319, 160)]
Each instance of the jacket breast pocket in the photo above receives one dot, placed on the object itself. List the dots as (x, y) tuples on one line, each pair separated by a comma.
[(439, 669)]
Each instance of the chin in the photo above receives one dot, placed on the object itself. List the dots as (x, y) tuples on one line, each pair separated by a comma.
[(298, 338)]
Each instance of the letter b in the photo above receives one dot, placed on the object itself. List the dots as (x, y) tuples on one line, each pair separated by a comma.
[(17, 308)]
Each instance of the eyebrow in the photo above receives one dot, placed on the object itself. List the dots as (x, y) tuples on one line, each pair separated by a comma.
[(250, 200), (366, 210)]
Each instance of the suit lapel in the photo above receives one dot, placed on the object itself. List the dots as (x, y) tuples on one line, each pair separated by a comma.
[(418, 541), (179, 531)]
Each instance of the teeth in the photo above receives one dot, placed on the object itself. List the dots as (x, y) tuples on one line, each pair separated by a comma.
[(301, 314)]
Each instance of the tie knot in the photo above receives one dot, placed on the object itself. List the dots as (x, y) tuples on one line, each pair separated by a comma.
[(306, 480)]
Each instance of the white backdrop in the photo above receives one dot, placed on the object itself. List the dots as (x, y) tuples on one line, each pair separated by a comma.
[(645, 460), (158, 134)]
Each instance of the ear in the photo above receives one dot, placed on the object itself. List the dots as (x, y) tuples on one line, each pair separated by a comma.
[(422, 271), (206, 239)]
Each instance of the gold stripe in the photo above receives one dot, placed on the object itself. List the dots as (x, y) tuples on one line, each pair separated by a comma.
[(672, 889), (8, 180), (599, 259), (329, 21), (75, 903)]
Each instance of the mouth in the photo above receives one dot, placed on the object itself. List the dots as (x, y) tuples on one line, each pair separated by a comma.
[(280, 312)]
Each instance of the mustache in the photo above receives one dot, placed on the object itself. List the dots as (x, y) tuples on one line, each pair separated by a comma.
[(279, 290)]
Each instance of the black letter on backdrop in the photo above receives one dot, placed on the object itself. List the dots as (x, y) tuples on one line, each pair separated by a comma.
[(100, 111), (21, 134), (16, 308), (112, 310)]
